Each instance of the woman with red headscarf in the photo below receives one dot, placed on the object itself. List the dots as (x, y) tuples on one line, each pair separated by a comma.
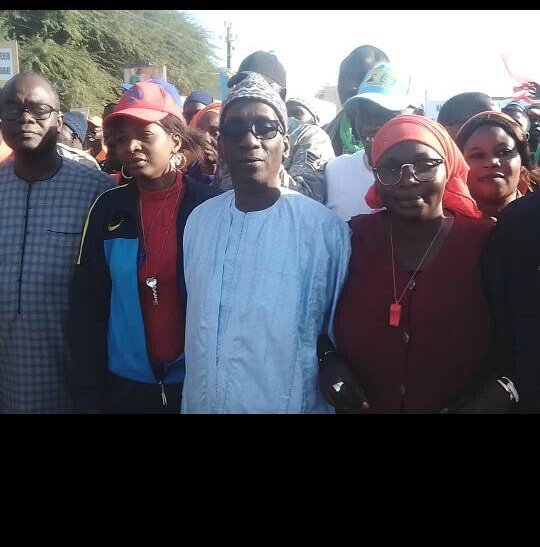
[(412, 327), (206, 121)]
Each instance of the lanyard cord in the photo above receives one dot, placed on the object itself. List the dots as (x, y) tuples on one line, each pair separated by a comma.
[(180, 192), (396, 300)]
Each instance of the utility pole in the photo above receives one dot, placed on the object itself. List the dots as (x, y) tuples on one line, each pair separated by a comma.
[(229, 39)]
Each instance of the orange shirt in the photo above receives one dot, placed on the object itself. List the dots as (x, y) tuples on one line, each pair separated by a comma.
[(102, 154)]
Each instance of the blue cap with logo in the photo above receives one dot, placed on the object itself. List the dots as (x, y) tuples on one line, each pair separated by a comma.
[(385, 85)]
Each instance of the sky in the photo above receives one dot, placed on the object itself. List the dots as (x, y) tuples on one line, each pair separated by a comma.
[(445, 51)]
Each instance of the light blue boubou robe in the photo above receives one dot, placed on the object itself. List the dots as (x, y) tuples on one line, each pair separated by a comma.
[(261, 288)]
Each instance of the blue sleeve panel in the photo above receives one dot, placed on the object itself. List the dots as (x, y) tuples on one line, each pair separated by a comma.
[(128, 356)]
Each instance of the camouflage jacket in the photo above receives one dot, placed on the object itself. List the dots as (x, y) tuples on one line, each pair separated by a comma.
[(77, 155)]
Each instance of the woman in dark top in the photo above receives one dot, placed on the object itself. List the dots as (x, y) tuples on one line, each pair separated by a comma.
[(412, 327)]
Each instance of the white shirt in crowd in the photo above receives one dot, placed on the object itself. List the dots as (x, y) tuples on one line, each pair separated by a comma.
[(348, 178)]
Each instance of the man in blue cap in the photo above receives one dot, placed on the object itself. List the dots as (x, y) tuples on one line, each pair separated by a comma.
[(352, 71), (74, 129), (71, 137), (195, 102), (382, 95)]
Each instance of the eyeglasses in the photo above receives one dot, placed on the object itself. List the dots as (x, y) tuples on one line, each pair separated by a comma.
[(38, 111), (422, 171), (262, 129)]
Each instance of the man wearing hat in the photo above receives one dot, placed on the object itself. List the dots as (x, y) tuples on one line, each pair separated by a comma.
[(302, 110), (195, 102), (382, 95), (94, 137), (71, 137), (310, 146), (264, 266), (352, 71)]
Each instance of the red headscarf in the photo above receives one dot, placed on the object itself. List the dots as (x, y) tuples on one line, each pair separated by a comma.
[(409, 127), (214, 107)]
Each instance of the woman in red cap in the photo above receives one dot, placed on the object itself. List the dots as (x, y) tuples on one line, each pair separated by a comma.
[(412, 327), (129, 295)]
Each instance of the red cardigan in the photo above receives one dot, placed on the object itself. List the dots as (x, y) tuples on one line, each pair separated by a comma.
[(429, 359)]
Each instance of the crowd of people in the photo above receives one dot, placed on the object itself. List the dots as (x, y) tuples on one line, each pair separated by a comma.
[(197, 256)]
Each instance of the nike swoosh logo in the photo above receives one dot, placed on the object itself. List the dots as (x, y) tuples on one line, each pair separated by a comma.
[(112, 228)]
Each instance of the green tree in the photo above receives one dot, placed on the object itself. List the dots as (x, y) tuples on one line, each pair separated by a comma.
[(84, 52)]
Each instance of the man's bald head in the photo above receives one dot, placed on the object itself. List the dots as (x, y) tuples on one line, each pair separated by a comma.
[(30, 79), (460, 108)]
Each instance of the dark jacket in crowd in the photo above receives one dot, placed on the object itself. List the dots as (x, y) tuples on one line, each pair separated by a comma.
[(512, 272)]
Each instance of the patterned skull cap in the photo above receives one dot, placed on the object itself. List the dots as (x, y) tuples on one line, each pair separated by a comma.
[(307, 105), (256, 88)]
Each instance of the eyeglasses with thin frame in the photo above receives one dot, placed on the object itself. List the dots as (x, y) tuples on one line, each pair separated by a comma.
[(38, 111), (422, 171), (262, 129)]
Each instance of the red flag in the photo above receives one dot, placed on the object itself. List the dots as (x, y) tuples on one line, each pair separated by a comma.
[(526, 85)]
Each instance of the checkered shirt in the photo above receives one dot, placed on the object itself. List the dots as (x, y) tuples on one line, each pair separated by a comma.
[(34, 352)]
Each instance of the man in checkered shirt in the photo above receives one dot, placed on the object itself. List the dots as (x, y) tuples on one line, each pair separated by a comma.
[(44, 201)]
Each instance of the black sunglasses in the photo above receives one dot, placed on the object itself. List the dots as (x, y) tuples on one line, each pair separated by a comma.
[(38, 111), (262, 129)]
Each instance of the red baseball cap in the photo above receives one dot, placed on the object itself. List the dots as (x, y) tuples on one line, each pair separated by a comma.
[(145, 101)]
